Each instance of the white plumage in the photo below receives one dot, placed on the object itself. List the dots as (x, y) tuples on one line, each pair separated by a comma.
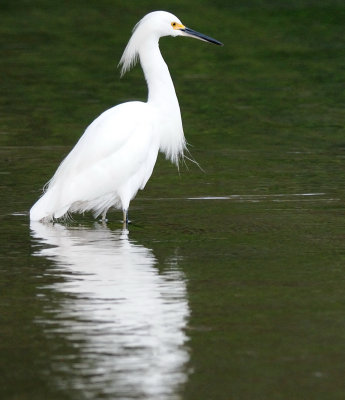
[(116, 155)]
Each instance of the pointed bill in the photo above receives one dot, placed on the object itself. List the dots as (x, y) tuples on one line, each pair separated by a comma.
[(200, 36)]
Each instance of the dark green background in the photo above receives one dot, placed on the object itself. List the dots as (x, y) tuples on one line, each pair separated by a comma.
[(265, 119)]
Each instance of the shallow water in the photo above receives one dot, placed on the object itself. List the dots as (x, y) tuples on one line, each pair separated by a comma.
[(229, 281), (202, 293)]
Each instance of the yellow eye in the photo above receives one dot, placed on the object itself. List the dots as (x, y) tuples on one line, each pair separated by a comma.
[(177, 25)]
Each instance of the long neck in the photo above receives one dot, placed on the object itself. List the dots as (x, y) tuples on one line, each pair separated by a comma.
[(161, 89), (163, 96)]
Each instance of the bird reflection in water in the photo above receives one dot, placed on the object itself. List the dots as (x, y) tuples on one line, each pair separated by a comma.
[(126, 319)]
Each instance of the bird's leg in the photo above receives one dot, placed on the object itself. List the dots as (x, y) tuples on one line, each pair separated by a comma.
[(125, 217), (104, 216)]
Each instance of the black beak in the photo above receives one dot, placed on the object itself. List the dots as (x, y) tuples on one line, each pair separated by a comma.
[(201, 36)]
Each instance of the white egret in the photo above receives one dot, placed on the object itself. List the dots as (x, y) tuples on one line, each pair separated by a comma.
[(115, 156)]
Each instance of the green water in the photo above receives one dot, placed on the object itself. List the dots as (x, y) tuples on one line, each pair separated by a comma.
[(229, 283)]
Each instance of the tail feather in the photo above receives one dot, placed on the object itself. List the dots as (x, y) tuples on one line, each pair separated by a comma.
[(46, 209)]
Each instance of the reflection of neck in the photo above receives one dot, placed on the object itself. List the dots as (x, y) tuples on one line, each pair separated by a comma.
[(113, 287), (124, 233)]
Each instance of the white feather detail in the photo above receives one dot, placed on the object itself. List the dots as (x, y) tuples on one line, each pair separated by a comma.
[(140, 33), (130, 55)]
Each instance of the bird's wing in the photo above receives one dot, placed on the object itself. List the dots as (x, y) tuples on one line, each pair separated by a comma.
[(116, 154), (106, 135)]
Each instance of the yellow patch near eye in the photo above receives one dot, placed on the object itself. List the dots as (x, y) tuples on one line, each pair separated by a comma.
[(176, 25)]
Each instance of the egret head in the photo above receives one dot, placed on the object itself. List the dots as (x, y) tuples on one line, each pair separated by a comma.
[(162, 23), (154, 26)]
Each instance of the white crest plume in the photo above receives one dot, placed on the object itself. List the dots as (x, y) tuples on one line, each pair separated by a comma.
[(130, 55)]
